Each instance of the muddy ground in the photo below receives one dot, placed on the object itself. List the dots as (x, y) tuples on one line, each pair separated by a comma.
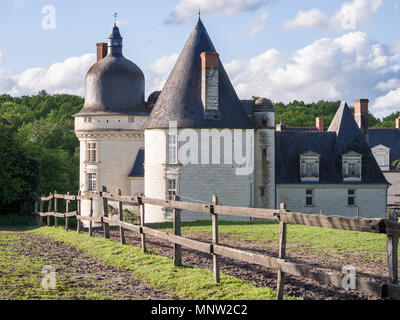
[(81, 276), (301, 288)]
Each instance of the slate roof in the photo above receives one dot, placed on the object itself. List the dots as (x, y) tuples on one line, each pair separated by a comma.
[(389, 138), (114, 85), (342, 136), (180, 99), (138, 166)]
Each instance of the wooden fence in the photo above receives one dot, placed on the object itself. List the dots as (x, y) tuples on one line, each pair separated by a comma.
[(388, 226)]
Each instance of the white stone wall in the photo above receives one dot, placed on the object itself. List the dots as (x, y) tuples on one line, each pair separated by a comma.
[(117, 145), (196, 182), (394, 190), (332, 199)]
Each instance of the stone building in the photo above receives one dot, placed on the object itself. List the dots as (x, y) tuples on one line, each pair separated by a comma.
[(385, 145), (331, 171), (195, 138), (109, 126)]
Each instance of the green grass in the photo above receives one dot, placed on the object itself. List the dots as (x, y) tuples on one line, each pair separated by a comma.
[(186, 282), (21, 274), (369, 246)]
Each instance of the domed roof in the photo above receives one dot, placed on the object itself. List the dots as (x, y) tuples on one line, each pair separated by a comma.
[(114, 84), (263, 104)]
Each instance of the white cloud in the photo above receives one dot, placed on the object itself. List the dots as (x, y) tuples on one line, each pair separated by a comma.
[(64, 77), (159, 72), (345, 68), (188, 8), (388, 85), (257, 25), (2, 58), (307, 19), (388, 103), (349, 17)]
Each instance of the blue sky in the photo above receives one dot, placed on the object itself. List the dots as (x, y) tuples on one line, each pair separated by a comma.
[(281, 49)]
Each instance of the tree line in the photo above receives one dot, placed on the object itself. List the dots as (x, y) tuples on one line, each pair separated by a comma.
[(39, 152)]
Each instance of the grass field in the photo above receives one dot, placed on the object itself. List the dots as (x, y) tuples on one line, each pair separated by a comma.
[(20, 274), (369, 246), (22, 271)]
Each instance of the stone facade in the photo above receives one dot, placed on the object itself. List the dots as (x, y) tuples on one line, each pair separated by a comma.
[(118, 139), (195, 182), (333, 199)]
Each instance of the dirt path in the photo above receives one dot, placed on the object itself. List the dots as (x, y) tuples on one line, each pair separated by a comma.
[(260, 276), (78, 275)]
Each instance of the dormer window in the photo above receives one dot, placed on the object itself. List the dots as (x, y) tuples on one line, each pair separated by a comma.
[(381, 154), (309, 166), (351, 166)]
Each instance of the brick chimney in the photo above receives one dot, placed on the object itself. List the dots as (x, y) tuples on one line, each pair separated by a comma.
[(101, 50), (319, 123), (209, 83), (361, 115)]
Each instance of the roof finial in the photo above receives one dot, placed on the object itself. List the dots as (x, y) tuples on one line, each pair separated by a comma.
[(115, 15), (199, 12)]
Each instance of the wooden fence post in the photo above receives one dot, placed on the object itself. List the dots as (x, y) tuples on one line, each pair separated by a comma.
[(214, 218), (142, 220), (176, 213), (55, 209), (282, 253), (41, 210), (36, 209), (106, 225), (121, 218), (66, 211), (78, 213), (392, 243), (91, 215), (48, 210)]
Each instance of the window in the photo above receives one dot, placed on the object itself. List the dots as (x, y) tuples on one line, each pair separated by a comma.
[(91, 152), (309, 198), (131, 119), (171, 189), (262, 191), (264, 154), (263, 123), (91, 182), (381, 159), (172, 149), (309, 166), (351, 197), (351, 166), (87, 119)]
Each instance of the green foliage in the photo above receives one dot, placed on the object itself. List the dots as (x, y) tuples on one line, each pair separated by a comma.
[(300, 114), (396, 164), (42, 148)]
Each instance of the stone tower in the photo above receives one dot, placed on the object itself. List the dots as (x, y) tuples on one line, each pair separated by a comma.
[(200, 101), (264, 154), (109, 126)]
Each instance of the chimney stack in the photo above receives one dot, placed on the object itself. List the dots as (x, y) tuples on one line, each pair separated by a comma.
[(319, 123), (101, 51), (361, 115), (398, 123), (209, 83)]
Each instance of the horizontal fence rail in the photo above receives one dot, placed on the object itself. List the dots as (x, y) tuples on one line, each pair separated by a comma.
[(388, 226)]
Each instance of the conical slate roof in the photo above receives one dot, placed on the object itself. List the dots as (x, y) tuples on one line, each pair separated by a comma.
[(114, 85), (180, 99)]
